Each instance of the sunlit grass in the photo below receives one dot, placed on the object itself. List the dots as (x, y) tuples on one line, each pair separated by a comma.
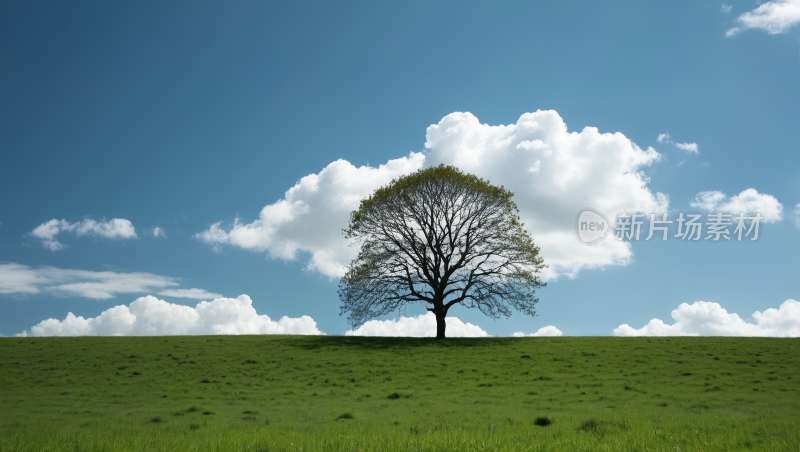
[(343, 393)]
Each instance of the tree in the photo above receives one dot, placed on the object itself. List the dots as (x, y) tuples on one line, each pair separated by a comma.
[(442, 238)]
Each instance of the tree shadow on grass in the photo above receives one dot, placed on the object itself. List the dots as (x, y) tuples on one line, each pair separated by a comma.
[(385, 343)]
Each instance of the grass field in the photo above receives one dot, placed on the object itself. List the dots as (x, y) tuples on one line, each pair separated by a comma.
[(265, 393)]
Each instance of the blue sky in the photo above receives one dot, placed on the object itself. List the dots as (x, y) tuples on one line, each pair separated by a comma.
[(187, 116)]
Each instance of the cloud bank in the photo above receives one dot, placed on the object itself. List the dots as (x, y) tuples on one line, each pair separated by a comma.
[(312, 214), (773, 17), (748, 201), (117, 228), (24, 280), (421, 326), (704, 318), (149, 316), (553, 172), (544, 331)]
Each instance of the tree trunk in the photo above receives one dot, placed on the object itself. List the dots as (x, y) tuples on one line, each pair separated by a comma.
[(440, 324)]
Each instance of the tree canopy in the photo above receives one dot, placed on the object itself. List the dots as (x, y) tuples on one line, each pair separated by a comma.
[(443, 238)]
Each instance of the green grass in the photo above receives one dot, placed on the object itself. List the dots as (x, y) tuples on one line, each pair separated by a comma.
[(288, 393)]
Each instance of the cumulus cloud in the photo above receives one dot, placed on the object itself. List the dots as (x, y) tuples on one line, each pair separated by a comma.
[(116, 228), (574, 170), (690, 148), (773, 17), (553, 172), (544, 331), (748, 201), (703, 318), (312, 214), (708, 200), (421, 326), (24, 280), (662, 137), (149, 316)]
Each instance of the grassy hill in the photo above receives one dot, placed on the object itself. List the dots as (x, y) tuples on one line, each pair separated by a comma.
[(265, 393)]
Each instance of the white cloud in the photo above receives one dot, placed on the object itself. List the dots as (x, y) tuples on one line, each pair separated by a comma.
[(197, 294), (104, 285), (149, 316), (751, 201), (116, 228), (691, 148), (312, 215), (158, 232), (544, 331), (553, 172), (423, 325), (681, 163), (574, 170), (796, 217), (704, 318), (773, 17), (688, 147), (726, 9), (707, 200), (748, 201), (22, 279)]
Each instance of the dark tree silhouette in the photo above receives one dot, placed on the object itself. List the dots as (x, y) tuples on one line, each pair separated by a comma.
[(443, 238)]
